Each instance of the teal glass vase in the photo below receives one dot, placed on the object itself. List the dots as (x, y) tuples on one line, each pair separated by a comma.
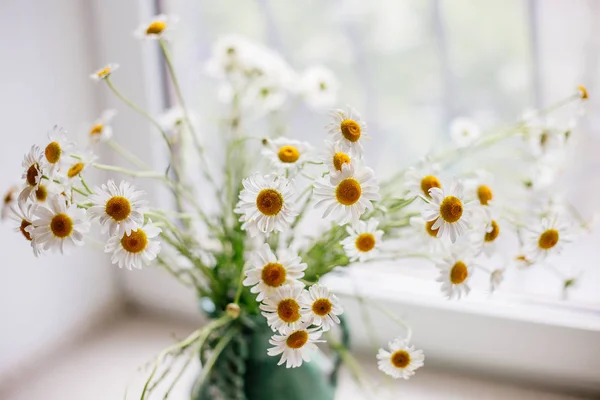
[(244, 371)]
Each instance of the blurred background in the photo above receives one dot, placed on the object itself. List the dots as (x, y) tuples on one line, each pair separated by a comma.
[(71, 326)]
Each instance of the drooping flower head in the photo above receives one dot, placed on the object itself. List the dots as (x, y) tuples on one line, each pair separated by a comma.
[(104, 72), (33, 172), (101, 129)]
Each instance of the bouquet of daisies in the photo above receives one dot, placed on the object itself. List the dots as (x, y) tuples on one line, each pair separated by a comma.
[(289, 213)]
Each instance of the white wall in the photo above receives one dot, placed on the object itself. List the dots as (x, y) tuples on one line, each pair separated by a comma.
[(47, 55)]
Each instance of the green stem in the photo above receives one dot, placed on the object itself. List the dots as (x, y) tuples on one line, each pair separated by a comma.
[(238, 293), (127, 155), (86, 186)]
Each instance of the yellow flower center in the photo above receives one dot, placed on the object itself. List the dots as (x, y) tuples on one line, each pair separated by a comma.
[(156, 28), (75, 169), (431, 232), (103, 73), (273, 274), (548, 239), (400, 359), (348, 191), (118, 207), (451, 209), (297, 339), (288, 154), (25, 224), (429, 182), (365, 242), (41, 193), (485, 194), (288, 310), (459, 273), (322, 307), (583, 90), (96, 129), (135, 242), (33, 173), (53, 152), (340, 159), (269, 202), (61, 225), (350, 130), (493, 234)]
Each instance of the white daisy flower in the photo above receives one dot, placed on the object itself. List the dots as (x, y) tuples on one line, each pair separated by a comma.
[(119, 209), (44, 191), (364, 240), (319, 87), (230, 55), (448, 210), (334, 157), (295, 346), (549, 237), (59, 226), (282, 308), (287, 154), (496, 278), (104, 72), (425, 236), (266, 204), (265, 95), (77, 167), (159, 27), (349, 130), (174, 118), (347, 195), (24, 215), (455, 273), (33, 172), (464, 131), (101, 130), (134, 249), (542, 134), (55, 152), (401, 361), (321, 307), (269, 272), (484, 239), (421, 178), (7, 201)]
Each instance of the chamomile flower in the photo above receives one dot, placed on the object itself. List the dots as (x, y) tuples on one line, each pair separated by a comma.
[(268, 272), (448, 210), (59, 226), (548, 237), (319, 87), (56, 150), (464, 131), (45, 191), (402, 359), (363, 241), (265, 95), (485, 239), (33, 172), (349, 130), (334, 157), (455, 273), (425, 236), (496, 278), (295, 346), (136, 248), (522, 262), (287, 154), (321, 307), (77, 167), (422, 177), (159, 27), (174, 119), (266, 203), (282, 308), (119, 209), (23, 215), (7, 201), (104, 72), (347, 195), (101, 130)]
